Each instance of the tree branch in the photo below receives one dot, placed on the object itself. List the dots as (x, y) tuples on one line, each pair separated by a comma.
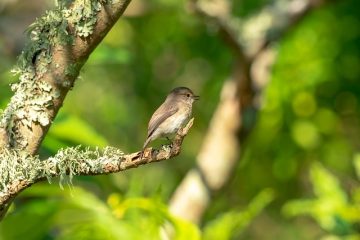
[(60, 43), (77, 162)]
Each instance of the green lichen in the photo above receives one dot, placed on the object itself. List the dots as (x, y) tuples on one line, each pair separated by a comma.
[(83, 16), (52, 28), (72, 69), (16, 166), (43, 34), (28, 105)]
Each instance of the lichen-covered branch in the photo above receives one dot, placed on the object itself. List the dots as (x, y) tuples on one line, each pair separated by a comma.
[(59, 44), (19, 171)]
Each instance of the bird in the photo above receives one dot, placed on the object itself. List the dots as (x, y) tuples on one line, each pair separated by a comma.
[(172, 115)]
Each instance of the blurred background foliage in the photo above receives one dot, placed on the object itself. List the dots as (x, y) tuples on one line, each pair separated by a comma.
[(299, 173)]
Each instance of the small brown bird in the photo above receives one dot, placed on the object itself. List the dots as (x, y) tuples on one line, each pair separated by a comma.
[(171, 115)]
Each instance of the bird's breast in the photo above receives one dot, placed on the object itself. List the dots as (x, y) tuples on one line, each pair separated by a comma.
[(173, 123)]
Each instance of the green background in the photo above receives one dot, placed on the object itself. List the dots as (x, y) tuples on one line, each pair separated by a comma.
[(298, 177)]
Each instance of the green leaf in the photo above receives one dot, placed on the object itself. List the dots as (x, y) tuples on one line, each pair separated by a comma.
[(235, 221), (330, 205)]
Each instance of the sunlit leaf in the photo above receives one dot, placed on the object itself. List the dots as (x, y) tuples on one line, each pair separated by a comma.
[(235, 221)]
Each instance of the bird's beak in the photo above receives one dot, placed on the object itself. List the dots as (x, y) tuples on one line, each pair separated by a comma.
[(196, 97)]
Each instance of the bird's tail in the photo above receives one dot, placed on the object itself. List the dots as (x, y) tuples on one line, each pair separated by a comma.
[(146, 143), (143, 149)]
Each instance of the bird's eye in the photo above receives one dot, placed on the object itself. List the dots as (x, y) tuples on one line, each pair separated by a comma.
[(188, 95)]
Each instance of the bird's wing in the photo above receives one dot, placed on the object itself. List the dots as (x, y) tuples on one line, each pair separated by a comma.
[(159, 116)]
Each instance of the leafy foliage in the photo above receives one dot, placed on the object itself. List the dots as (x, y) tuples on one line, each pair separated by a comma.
[(332, 208), (234, 222)]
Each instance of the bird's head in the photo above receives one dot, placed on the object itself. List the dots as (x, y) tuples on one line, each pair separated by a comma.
[(183, 94)]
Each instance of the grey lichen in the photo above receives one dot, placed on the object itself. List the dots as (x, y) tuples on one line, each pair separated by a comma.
[(83, 15), (32, 98), (31, 107), (74, 160), (27, 106), (16, 166)]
